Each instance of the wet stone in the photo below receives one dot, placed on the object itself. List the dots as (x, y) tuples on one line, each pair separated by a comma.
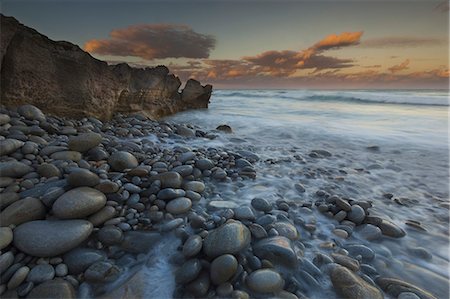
[(79, 259), (231, 238), (192, 246), (261, 204), (188, 271), (357, 214), (170, 193), (349, 285), (223, 268), (277, 249), (41, 273), (265, 281), (82, 177)]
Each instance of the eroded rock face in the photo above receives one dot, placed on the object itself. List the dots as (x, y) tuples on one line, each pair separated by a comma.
[(62, 79)]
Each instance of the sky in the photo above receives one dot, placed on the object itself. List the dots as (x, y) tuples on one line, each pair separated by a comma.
[(259, 44)]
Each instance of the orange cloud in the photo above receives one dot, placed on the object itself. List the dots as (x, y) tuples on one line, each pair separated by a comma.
[(152, 41), (341, 40), (399, 67)]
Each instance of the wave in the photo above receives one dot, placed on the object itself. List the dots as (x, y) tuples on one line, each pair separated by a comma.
[(426, 98)]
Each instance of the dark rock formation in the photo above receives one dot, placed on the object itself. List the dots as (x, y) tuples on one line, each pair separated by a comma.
[(62, 79)]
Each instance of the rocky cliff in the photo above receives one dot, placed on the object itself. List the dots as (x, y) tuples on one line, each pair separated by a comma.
[(62, 79)]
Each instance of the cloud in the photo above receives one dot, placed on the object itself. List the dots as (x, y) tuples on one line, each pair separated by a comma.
[(401, 42), (154, 41), (336, 41), (399, 67), (443, 7)]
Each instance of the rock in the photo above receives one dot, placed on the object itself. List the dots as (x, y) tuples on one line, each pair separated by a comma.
[(395, 287), (120, 161), (107, 187), (66, 156), (84, 142), (183, 170), (110, 235), (4, 119), (370, 232), (8, 198), (9, 146), (260, 204), (287, 230), (102, 216), (231, 237), (390, 229), (82, 177), (186, 132), (14, 169), (200, 286), (276, 249), (79, 259), (346, 261), (22, 211), (225, 128), (349, 285), (170, 193), (362, 250), (343, 204), (48, 170), (31, 112), (41, 273), (78, 203), (223, 268), (204, 164), (195, 186), (101, 272), (18, 277), (188, 271), (100, 89), (61, 270), (244, 213), (265, 281), (179, 205), (169, 179), (408, 295), (257, 231), (6, 237), (53, 289), (192, 246), (6, 260), (356, 214), (139, 241), (46, 238)]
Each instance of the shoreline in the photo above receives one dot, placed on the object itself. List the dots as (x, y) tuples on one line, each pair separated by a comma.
[(136, 193)]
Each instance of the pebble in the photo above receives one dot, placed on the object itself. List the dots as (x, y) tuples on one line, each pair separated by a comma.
[(103, 215), (276, 249), (6, 260), (287, 230), (82, 177), (260, 204), (22, 211), (53, 289), (195, 186), (244, 213), (349, 285), (84, 142), (101, 271), (231, 237), (121, 160), (169, 179), (61, 270), (14, 169), (192, 246), (79, 203), (31, 112), (19, 276), (357, 214), (265, 281), (79, 259), (67, 156), (6, 237), (41, 273), (223, 268), (204, 164), (170, 193), (188, 271), (179, 205)]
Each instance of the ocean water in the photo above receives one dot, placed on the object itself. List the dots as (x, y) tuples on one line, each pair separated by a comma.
[(381, 142)]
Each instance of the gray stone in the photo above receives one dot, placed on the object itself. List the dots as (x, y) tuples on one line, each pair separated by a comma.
[(120, 161), (139, 241), (244, 213), (102, 216), (53, 289), (48, 170), (183, 170), (107, 187), (260, 204), (4, 119), (204, 164), (370, 232), (79, 203), (169, 179), (346, 261), (356, 214), (8, 198), (188, 271), (395, 287), (46, 238), (287, 230), (223, 268), (61, 270), (408, 295), (79, 259), (276, 249), (6, 260), (110, 235), (192, 246), (41, 273), (8, 146), (258, 232), (200, 286), (170, 193), (18, 277), (82, 177), (67, 156), (265, 281), (6, 237), (84, 142), (232, 237), (362, 250), (22, 211), (101, 272), (349, 285), (31, 112), (179, 205), (195, 186), (343, 204), (14, 169), (187, 156), (390, 229)]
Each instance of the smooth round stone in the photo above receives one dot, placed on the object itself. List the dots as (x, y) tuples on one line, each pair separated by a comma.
[(223, 268), (4, 119), (67, 156), (179, 205), (194, 196), (8, 146), (340, 233), (19, 276), (195, 186), (82, 177), (6, 237), (24, 288), (31, 112), (390, 229), (183, 170), (22, 211), (61, 270), (362, 250), (184, 157), (349, 285), (370, 232), (14, 169), (79, 259), (265, 281), (192, 246), (346, 261), (199, 286), (225, 290), (84, 142), (356, 215), (120, 161), (79, 203), (244, 213), (101, 272), (260, 204), (287, 230), (107, 186), (343, 204), (276, 249), (47, 238), (222, 204), (204, 164), (169, 179), (41, 273), (8, 198), (110, 235), (188, 271), (57, 288), (232, 237), (170, 193), (48, 170), (6, 260), (102, 216)]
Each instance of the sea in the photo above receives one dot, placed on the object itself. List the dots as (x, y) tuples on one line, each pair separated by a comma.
[(381, 142)]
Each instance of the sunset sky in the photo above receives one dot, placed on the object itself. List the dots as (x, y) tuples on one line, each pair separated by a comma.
[(260, 44)]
